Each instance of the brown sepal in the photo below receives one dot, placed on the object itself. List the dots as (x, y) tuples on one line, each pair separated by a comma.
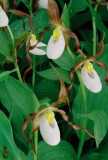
[(80, 51), (53, 12), (71, 77), (20, 14), (99, 3), (100, 48), (35, 125), (3, 6)]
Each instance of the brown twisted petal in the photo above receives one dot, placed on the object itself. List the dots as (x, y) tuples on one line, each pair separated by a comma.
[(76, 127), (100, 48), (4, 6), (28, 59), (71, 77), (25, 125), (72, 35), (63, 94), (53, 12)]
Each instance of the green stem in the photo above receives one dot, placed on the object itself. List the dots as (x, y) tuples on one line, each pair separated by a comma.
[(18, 73), (84, 109), (11, 35), (33, 70), (14, 54), (84, 120), (94, 31), (33, 83), (35, 142)]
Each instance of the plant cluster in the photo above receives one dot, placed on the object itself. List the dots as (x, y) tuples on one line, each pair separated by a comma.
[(53, 76)]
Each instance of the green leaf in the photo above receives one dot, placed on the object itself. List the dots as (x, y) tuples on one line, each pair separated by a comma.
[(95, 156), (51, 74), (41, 20), (6, 138), (65, 61), (30, 155), (17, 27), (47, 88), (21, 37), (21, 95), (20, 101), (63, 151), (77, 6), (4, 45), (100, 119), (3, 75), (65, 16)]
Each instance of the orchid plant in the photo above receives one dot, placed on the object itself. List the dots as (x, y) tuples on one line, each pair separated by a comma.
[(52, 91)]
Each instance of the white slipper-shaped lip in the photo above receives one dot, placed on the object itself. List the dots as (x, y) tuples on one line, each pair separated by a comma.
[(43, 4), (3, 18), (92, 83), (50, 132), (37, 51), (55, 48)]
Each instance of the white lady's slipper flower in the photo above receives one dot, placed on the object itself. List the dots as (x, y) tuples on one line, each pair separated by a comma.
[(90, 78), (43, 4), (56, 44), (36, 50), (49, 128), (3, 18)]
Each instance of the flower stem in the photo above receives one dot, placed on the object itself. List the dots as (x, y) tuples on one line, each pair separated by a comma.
[(33, 83), (84, 120), (94, 31), (11, 35), (14, 54)]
